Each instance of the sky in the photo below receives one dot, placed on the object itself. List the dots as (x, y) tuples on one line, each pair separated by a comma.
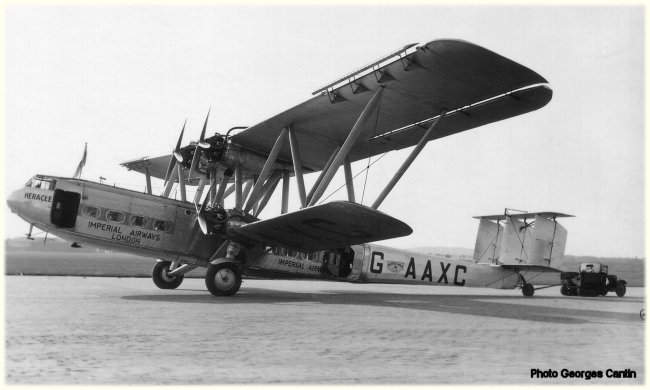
[(124, 79)]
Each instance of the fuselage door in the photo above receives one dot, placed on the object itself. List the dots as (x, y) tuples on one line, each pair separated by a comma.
[(65, 205)]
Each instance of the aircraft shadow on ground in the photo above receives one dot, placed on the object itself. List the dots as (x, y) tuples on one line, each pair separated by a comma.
[(515, 307)]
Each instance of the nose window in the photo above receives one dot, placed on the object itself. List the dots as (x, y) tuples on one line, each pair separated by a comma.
[(41, 183)]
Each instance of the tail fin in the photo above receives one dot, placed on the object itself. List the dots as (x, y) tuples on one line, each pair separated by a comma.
[(521, 240), (517, 239), (548, 243), (488, 242)]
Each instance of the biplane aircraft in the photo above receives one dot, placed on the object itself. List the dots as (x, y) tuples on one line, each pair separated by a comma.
[(413, 95)]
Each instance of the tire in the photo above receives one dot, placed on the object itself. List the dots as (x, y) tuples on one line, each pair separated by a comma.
[(620, 288), (223, 279), (603, 292), (564, 290), (160, 278), (528, 290)]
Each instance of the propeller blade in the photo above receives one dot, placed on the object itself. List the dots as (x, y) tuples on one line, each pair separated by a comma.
[(202, 224), (195, 162), (170, 168), (177, 150), (199, 216), (202, 144)]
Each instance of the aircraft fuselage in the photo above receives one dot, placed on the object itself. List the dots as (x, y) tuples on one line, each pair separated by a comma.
[(152, 226)]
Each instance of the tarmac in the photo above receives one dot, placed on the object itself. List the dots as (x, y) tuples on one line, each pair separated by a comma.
[(107, 330)]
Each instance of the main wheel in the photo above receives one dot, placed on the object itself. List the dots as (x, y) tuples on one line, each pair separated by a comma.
[(528, 290), (620, 288), (161, 278), (223, 279)]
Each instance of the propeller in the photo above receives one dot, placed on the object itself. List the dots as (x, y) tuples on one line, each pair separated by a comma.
[(176, 155), (201, 217), (197, 153)]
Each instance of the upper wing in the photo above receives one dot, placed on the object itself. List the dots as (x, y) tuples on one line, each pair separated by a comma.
[(474, 85), (326, 226)]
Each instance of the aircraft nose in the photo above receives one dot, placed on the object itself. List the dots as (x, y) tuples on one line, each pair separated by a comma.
[(14, 201)]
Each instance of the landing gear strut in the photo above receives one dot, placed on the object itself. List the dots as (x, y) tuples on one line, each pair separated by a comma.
[(526, 288), (161, 276), (223, 279)]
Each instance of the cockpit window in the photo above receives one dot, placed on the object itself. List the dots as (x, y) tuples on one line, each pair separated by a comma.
[(41, 183)]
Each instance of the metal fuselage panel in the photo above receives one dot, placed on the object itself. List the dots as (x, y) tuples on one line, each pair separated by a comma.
[(178, 238), (374, 263), (390, 265)]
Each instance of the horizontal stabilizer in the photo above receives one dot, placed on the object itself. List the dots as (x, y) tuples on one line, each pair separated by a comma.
[(545, 214), (326, 226), (527, 267)]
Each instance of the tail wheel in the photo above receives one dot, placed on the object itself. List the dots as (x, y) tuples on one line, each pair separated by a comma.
[(161, 278), (620, 288), (528, 290), (223, 279)]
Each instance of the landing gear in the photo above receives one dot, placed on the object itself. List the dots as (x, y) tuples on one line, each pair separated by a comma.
[(223, 279), (528, 290), (162, 279)]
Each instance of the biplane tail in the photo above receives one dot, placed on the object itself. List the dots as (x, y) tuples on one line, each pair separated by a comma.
[(521, 241)]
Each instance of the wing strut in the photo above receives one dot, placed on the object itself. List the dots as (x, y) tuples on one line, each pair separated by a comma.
[(199, 190), (350, 141), (267, 192), (349, 183), (181, 182), (297, 166), (148, 177), (218, 199), (266, 170), (407, 163), (285, 192), (170, 181), (213, 186), (239, 194), (328, 164)]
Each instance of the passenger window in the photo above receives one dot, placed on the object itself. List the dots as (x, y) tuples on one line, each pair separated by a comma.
[(137, 220), (162, 226), (91, 211), (291, 253), (114, 216)]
